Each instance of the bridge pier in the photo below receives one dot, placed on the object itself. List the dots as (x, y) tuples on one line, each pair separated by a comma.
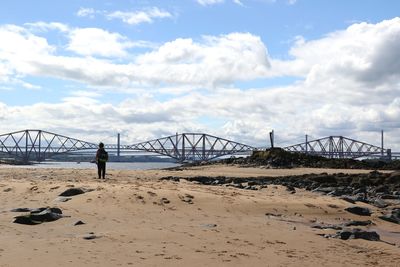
[(306, 143), (203, 150), (183, 147), (382, 142), (389, 154), (118, 147)]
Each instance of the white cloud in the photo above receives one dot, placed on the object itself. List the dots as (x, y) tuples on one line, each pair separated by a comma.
[(147, 15), (215, 2), (18, 49), (85, 93), (17, 41), (215, 60), (238, 2), (138, 17), (241, 2), (4, 72), (7, 77), (362, 53), (209, 2), (86, 12), (46, 26), (28, 85), (95, 41), (89, 41)]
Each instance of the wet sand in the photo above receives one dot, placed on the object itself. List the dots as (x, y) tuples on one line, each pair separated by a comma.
[(138, 220)]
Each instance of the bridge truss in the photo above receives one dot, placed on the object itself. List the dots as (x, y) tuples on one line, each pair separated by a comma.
[(337, 147), (38, 145), (192, 147)]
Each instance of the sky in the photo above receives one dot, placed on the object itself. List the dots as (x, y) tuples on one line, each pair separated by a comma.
[(231, 68)]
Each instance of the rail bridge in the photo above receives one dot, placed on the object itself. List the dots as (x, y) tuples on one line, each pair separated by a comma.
[(339, 147), (39, 145)]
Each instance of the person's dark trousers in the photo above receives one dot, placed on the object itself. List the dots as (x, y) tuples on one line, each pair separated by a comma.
[(101, 169)]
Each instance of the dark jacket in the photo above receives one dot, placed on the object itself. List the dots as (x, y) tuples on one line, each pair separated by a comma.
[(101, 155)]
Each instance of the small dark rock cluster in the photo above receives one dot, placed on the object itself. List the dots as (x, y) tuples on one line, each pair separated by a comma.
[(37, 216), (72, 192), (90, 236), (362, 211), (356, 233), (358, 223), (348, 233), (78, 223), (40, 215), (393, 217), (209, 225), (340, 226)]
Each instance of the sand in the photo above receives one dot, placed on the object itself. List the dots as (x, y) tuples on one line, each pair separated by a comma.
[(139, 220)]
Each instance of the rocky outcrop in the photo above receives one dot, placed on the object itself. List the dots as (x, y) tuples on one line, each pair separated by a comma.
[(279, 158)]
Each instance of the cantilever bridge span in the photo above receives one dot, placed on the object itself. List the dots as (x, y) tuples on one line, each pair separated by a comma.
[(39, 145), (338, 147)]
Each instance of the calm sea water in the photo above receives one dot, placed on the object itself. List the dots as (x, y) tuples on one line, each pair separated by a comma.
[(110, 165)]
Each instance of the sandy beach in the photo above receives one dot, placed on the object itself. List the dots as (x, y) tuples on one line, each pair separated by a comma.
[(135, 219)]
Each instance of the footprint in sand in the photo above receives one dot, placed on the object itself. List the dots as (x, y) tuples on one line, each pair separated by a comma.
[(173, 257), (162, 201), (140, 198), (333, 206), (34, 188), (186, 198), (309, 205), (152, 194), (165, 200)]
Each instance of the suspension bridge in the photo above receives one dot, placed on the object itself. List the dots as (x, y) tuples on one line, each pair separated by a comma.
[(39, 145)]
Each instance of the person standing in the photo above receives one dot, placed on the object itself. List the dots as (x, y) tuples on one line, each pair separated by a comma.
[(101, 159)]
